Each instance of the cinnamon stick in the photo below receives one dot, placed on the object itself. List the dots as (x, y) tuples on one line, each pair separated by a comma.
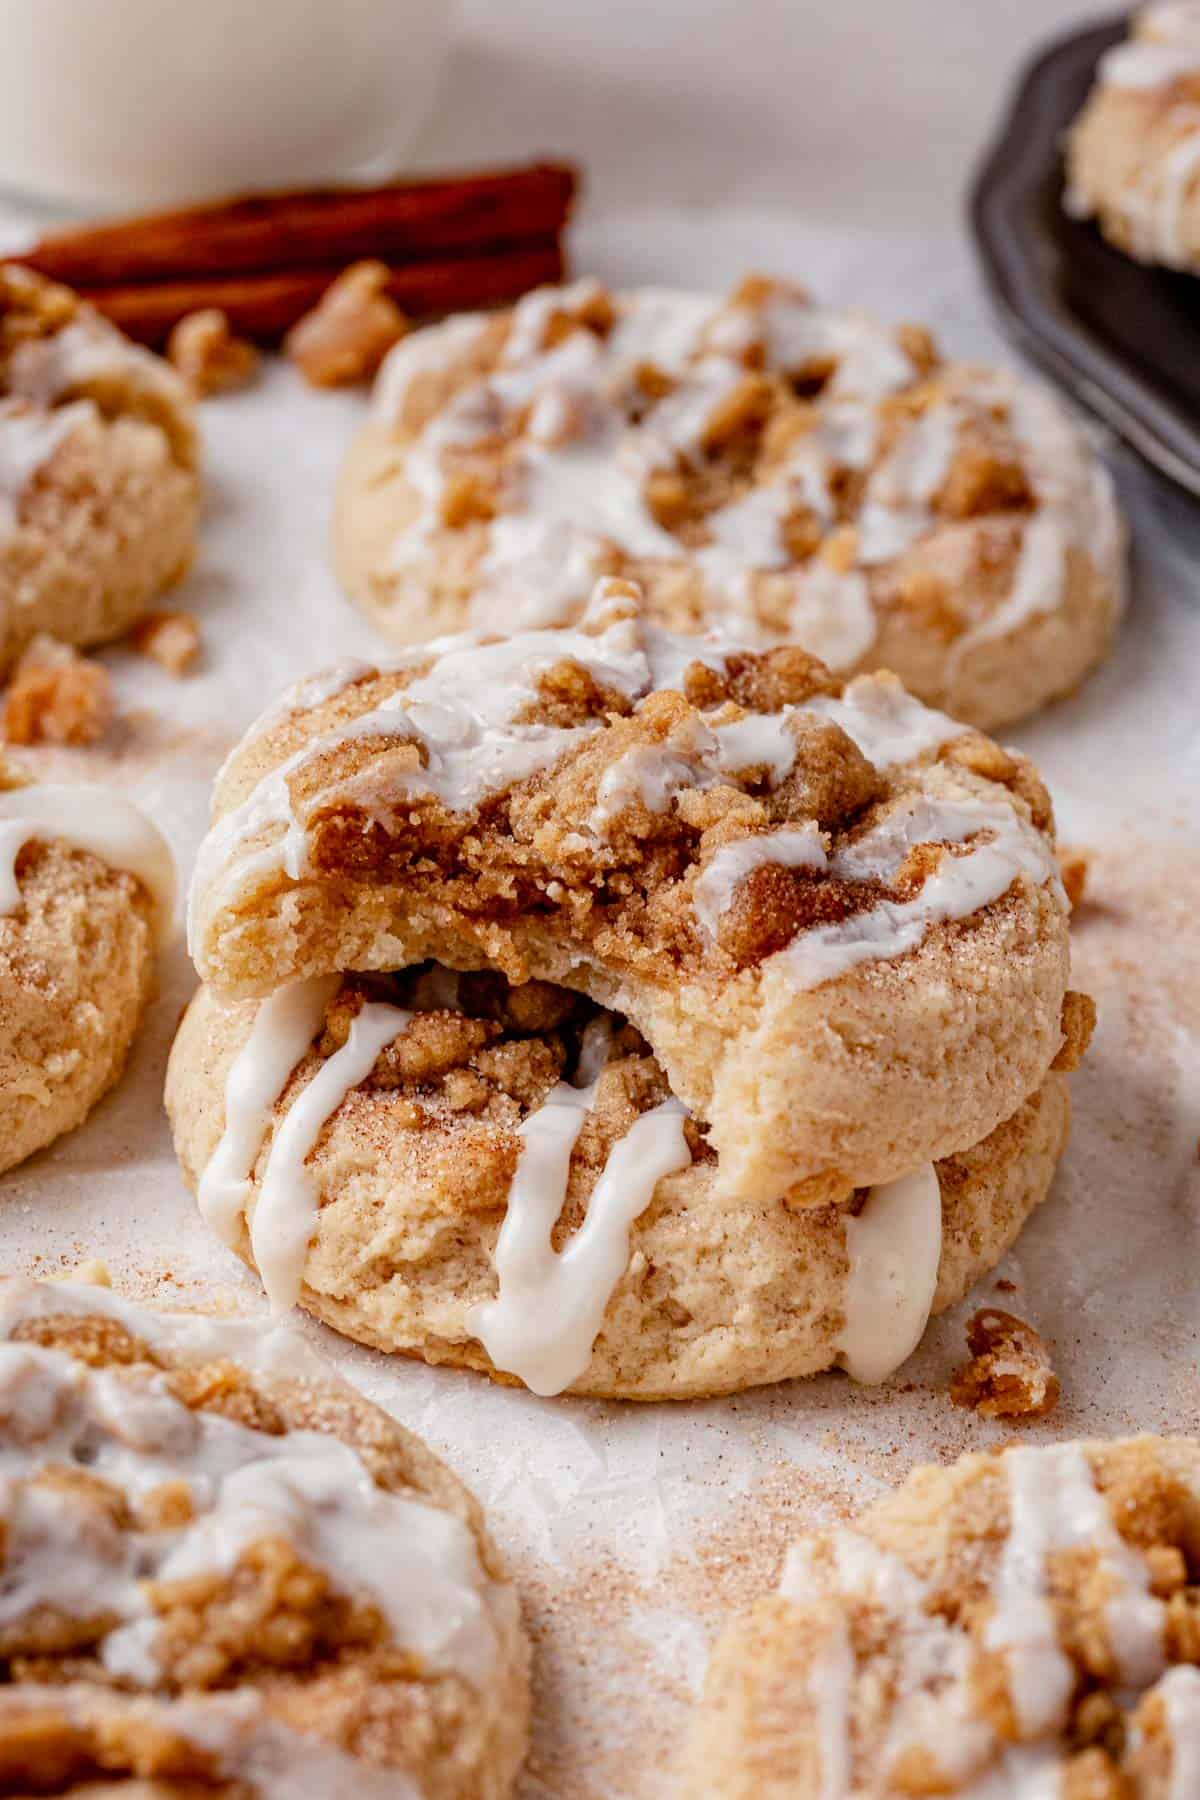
[(401, 222), (264, 306)]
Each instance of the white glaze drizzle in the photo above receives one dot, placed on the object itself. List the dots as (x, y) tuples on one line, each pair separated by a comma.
[(284, 1027), (285, 1212), (1055, 1505), (722, 875), (893, 1247), (93, 819), (548, 1311), (416, 1562)]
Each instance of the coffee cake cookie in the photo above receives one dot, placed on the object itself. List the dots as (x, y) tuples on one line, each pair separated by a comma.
[(759, 464), (1020, 1624), (819, 918), (500, 1177), (834, 914), (99, 493), (1133, 155), (226, 1573), (87, 893)]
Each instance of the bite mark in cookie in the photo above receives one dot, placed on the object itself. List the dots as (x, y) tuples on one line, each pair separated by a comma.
[(222, 1565), (760, 464), (727, 847), (473, 1172)]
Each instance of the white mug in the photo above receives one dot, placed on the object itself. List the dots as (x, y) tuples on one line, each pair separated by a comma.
[(147, 102)]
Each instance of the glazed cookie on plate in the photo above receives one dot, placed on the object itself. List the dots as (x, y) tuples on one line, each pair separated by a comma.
[(99, 493), (821, 918), (1018, 1625), (1133, 155), (87, 894), (759, 464), (226, 1573)]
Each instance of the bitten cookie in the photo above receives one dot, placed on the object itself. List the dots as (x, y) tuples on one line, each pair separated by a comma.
[(99, 493), (759, 464), (226, 1573), (834, 914), (753, 951), (1021, 1624), (87, 893), (1133, 155), (398, 1188)]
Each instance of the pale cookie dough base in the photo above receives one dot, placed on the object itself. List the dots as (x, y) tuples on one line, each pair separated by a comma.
[(76, 970), (715, 1298), (107, 524)]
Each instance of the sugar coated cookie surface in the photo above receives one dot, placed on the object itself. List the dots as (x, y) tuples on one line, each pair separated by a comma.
[(1019, 1626), (225, 1573), (1133, 156), (833, 914), (87, 894), (99, 493), (761, 464), (499, 1177)]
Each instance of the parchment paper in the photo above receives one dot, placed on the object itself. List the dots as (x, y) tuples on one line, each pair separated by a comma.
[(634, 1529)]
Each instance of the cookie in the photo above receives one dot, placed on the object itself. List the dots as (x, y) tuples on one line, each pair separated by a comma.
[(226, 1573), (759, 464), (429, 1180), (1133, 155), (1019, 1624), (87, 893), (834, 914), (99, 493)]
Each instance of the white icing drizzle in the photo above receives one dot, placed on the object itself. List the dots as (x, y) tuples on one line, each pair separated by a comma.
[(1054, 1505), (94, 819), (29, 438), (418, 1564), (789, 849), (894, 1247), (1007, 848), (285, 1213), (1179, 1691), (551, 1304), (283, 1029)]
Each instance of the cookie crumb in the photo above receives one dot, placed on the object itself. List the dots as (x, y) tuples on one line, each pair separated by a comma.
[(169, 638), (1078, 1024), (57, 696), (350, 330), (1010, 1375), (1073, 868), (207, 354)]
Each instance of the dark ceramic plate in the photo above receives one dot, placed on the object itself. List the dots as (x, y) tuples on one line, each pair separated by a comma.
[(1124, 339)]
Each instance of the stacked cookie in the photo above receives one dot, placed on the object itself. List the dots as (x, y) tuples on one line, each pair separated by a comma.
[(788, 472), (624, 1012), (225, 1573)]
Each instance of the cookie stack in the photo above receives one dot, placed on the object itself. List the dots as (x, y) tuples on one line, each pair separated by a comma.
[(622, 1012)]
